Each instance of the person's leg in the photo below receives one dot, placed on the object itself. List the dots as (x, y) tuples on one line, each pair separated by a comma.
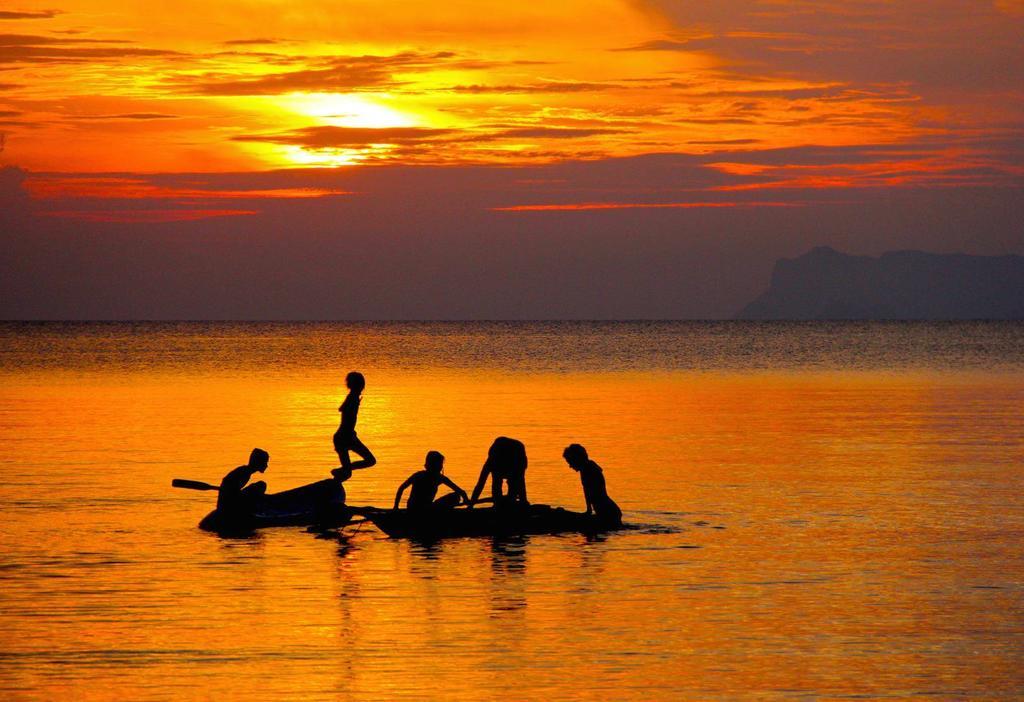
[(359, 448), (614, 513), (517, 488), (607, 513), (255, 490), (252, 495), (341, 446)]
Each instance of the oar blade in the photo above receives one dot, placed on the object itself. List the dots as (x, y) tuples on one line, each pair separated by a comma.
[(192, 484)]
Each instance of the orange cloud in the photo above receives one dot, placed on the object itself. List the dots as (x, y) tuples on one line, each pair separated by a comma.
[(58, 187), (335, 137), (148, 88), (584, 206), (145, 216), (15, 15)]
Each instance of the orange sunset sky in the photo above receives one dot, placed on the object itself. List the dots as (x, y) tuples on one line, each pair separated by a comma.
[(644, 117)]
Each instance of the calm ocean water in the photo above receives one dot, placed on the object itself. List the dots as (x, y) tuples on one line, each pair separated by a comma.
[(823, 511)]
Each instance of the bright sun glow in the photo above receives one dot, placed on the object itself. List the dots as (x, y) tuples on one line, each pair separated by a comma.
[(323, 158), (340, 110)]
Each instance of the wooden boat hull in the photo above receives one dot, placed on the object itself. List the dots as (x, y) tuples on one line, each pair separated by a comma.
[(486, 521), (319, 502)]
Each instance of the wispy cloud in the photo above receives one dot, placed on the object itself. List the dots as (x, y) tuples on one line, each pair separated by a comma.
[(128, 116), (529, 88), (62, 187), (29, 49), (330, 137), (145, 216), (933, 45), (589, 206), (119, 199), (529, 133), (251, 42), (28, 15), (332, 74)]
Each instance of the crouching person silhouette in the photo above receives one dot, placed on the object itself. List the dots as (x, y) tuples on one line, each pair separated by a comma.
[(506, 467), (235, 498), (424, 485)]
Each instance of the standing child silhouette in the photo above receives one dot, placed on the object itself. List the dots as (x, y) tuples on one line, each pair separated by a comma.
[(345, 438)]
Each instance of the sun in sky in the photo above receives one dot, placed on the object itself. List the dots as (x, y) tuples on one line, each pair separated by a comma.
[(342, 111), (270, 85), (658, 123)]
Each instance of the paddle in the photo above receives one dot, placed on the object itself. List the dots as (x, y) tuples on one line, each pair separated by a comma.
[(192, 484)]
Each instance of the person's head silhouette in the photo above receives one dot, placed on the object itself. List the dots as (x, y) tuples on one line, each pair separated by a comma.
[(575, 455), (355, 381), (434, 462), (258, 459)]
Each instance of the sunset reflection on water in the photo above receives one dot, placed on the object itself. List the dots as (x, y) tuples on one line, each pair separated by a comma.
[(803, 526)]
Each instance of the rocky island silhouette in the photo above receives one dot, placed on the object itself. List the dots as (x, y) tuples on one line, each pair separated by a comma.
[(915, 285)]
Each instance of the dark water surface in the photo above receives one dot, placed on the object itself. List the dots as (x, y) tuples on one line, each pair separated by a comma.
[(823, 511)]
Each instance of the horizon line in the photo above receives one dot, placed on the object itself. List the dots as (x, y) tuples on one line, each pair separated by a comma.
[(496, 320)]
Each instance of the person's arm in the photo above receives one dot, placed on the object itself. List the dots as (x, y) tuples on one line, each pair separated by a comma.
[(236, 479), (484, 472), (231, 485), (455, 488), (586, 493), (401, 489)]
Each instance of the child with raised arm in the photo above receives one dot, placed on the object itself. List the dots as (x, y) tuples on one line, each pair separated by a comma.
[(345, 438)]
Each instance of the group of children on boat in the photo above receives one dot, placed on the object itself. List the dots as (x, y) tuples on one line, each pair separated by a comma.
[(505, 467)]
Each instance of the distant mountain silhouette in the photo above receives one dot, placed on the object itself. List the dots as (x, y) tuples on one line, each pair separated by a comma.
[(827, 284)]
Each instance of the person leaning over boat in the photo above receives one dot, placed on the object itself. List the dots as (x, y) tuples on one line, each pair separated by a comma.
[(234, 497), (595, 492), (506, 463), (425, 484)]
